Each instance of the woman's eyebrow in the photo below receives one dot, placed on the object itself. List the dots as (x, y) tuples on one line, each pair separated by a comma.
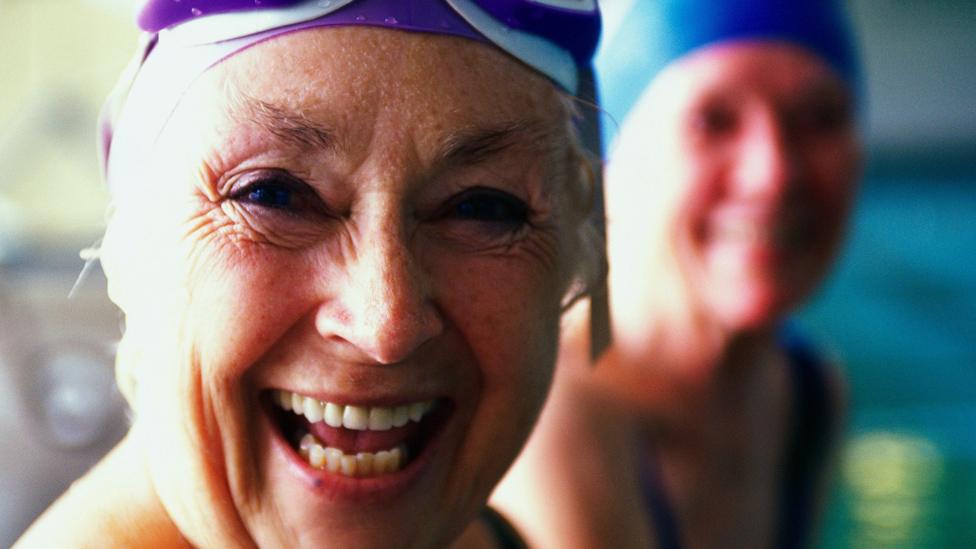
[(289, 126), (472, 146)]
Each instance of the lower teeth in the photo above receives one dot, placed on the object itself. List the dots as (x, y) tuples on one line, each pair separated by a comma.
[(362, 464)]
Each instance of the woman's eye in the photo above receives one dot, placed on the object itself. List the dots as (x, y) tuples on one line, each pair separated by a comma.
[(823, 118), (490, 206), (270, 195), (278, 208), (273, 190), (482, 218), (714, 120)]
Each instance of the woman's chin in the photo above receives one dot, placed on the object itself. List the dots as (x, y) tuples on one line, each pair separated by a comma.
[(751, 288), (750, 308)]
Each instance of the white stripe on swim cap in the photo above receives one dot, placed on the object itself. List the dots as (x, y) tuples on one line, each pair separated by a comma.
[(537, 52)]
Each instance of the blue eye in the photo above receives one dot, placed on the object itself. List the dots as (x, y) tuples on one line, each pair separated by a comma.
[(275, 190), (491, 206), (270, 195)]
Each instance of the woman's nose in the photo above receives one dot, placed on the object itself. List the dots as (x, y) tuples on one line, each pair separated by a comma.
[(384, 310), (766, 164)]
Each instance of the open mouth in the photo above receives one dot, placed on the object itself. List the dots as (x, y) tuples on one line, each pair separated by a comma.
[(355, 441)]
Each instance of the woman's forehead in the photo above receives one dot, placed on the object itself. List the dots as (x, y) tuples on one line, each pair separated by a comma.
[(776, 66), (357, 93), (337, 92), (350, 72)]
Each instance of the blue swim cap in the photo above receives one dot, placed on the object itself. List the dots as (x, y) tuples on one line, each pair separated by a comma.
[(653, 33)]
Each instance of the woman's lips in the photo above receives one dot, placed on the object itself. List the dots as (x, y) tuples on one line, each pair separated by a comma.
[(350, 440)]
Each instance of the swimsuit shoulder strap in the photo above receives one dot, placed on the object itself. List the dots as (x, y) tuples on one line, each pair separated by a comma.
[(809, 438), (661, 513), (506, 536)]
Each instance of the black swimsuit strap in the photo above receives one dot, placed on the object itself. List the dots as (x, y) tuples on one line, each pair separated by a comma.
[(809, 442), (656, 499), (506, 536)]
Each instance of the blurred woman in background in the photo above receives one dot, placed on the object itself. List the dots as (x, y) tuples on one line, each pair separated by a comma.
[(342, 237), (709, 422)]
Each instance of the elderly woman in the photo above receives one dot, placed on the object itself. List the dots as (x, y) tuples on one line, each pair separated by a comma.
[(342, 236), (708, 423)]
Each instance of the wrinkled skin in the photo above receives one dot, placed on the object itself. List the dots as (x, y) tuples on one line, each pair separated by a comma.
[(337, 254)]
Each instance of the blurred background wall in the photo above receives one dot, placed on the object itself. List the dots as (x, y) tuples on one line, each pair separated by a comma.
[(59, 411), (900, 309)]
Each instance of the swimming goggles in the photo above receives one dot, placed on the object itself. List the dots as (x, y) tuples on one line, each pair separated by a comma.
[(552, 36)]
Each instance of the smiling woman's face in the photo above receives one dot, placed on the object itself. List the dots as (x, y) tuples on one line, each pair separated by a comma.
[(735, 172), (371, 226)]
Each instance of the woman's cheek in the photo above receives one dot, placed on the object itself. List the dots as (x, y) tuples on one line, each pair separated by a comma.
[(171, 291), (834, 173), (515, 319), (510, 321), (233, 332)]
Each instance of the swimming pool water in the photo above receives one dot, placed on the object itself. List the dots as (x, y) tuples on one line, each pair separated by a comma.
[(900, 312)]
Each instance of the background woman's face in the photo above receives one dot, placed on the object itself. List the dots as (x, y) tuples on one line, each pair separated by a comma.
[(747, 156), (367, 218)]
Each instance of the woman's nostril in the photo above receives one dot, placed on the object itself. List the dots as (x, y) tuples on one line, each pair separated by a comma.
[(381, 330), (396, 335)]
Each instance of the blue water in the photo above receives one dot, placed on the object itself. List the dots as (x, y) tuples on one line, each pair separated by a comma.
[(900, 312)]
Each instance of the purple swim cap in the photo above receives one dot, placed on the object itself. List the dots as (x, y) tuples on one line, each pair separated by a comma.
[(184, 38), (573, 25)]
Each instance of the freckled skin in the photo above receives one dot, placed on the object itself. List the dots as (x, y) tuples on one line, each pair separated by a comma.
[(368, 292)]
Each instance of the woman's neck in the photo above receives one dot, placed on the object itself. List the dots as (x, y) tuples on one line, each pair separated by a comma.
[(683, 358)]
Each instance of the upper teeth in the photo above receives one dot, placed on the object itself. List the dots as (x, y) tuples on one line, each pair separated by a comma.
[(755, 233), (749, 232), (358, 418)]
